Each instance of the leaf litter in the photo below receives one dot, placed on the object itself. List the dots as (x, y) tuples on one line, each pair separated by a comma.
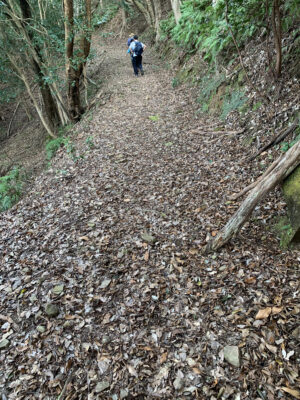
[(114, 255)]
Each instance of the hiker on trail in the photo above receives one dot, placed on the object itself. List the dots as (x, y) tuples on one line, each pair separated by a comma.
[(130, 39), (136, 51)]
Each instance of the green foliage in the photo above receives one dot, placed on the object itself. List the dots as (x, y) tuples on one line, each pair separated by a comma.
[(209, 84), (175, 82), (45, 38), (232, 102), (89, 142), (106, 14), (154, 117), (256, 106), (205, 28), (285, 231), (53, 145), (285, 146), (11, 188)]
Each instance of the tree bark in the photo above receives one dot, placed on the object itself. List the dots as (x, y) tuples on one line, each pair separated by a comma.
[(124, 23), (143, 10), (282, 169), (158, 17), (35, 59), (22, 76), (72, 74), (276, 24), (176, 10)]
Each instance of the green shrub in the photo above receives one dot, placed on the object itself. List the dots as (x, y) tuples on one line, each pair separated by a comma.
[(232, 102), (106, 14), (90, 142), (285, 146), (175, 82), (209, 85), (204, 27), (11, 188), (53, 145)]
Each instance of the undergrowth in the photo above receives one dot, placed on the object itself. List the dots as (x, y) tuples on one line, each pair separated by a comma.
[(285, 146), (208, 87), (11, 188), (233, 101)]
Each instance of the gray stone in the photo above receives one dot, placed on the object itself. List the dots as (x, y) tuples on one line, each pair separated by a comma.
[(148, 238), (102, 386), (4, 343), (51, 310), (123, 393), (57, 290), (296, 333), (105, 283), (178, 383), (41, 328), (232, 355)]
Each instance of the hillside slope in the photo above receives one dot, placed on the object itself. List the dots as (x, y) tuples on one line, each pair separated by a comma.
[(112, 239)]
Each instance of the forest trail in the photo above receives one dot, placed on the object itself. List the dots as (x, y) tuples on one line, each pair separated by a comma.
[(112, 238)]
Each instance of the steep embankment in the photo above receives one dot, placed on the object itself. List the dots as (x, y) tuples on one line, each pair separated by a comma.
[(113, 240)]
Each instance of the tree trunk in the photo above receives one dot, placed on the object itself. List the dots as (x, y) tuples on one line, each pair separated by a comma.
[(158, 14), (282, 169), (143, 10), (124, 23), (176, 10), (22, 76), (35, 59), (276, 24), (72, 74)]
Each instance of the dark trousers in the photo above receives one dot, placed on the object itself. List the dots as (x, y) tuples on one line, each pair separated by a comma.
[(137, 64)]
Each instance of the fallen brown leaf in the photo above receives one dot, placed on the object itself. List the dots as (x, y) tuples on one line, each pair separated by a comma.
[(276, 310), (146, 256), (293, 392), (262, 314), (250, 280), (163, 357)]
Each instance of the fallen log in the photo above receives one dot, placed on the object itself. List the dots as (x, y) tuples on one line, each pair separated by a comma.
[(287, 163)]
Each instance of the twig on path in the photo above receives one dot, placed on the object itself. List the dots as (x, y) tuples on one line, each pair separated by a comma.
[(63, 392), (91, 81), (224, 133)]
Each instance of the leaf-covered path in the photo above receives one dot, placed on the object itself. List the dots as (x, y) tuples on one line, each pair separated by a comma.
[(112, 239)]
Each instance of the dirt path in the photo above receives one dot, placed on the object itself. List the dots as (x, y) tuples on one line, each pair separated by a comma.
[(113, 239)]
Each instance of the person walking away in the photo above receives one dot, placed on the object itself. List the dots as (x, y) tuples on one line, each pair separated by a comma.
[(130, 39), (136, 50)]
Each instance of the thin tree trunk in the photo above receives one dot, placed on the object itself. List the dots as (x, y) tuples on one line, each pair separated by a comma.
[(283, 168), (35, 58), (22, 76), (124, 23), (276, 24), (143, 10), (73, 76), (176, 10), (49, 103), (158, 13)]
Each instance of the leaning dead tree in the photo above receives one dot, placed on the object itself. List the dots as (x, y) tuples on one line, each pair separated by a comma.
[(278, 171)]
